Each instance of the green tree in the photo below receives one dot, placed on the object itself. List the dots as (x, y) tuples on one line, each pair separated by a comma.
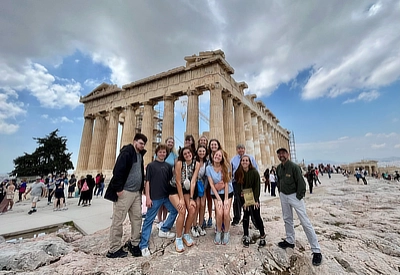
[(51, 156)]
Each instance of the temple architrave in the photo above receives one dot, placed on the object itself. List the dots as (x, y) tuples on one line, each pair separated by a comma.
[(234, 117)]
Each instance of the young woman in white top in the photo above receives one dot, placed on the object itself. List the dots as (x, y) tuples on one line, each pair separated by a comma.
[(182, 197)]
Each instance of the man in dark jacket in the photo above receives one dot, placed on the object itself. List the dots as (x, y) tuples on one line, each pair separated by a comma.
[(125, 190), (292, 188)]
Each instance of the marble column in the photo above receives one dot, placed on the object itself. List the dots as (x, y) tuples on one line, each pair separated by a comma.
[(267, 144), (271, 143), (248, 131), (229, 125), (147, 129), (86, 141), (261, 135), (97, 146), (168, 118), (110, 149), (276, 145), (192, 122), (239, 123), (128, 129), (256, 139), (216, 114)]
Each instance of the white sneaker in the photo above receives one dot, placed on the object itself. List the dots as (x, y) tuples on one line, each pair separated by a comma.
[(146, 252), (194, 231), (167, 234), (201, 231), (160, 224)]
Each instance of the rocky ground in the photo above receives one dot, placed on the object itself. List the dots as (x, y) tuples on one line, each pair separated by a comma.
[(357, 225)]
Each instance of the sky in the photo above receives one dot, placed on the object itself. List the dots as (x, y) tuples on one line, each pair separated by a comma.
[(330, 73)]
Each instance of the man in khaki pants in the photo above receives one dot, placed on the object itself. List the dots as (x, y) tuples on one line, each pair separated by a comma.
[(125, 190)]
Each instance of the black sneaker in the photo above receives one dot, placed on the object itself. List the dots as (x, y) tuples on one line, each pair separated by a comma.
[(31, 211), (134, 249), (234, 223), (262, 242), (246, 241), (317, 259), (120, 253), (284, 244)]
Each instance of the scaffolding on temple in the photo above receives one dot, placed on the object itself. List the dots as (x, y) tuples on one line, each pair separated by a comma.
[(292, 145)]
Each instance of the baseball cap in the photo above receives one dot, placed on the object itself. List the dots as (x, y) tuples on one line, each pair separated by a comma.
[(282, 149)]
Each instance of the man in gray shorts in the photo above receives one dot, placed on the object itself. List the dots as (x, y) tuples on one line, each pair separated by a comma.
[(37, 189)]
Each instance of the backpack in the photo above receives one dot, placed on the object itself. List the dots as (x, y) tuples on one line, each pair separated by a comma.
[(85, 187)]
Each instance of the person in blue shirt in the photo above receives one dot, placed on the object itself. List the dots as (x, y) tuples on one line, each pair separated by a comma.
[(218, 175)]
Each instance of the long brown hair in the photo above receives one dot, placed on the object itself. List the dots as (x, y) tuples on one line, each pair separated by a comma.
[(239, 173), (225, 165)]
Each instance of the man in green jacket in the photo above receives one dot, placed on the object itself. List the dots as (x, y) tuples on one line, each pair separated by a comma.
[(292, 188)]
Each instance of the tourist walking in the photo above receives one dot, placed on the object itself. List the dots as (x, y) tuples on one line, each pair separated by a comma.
[(37, 189), (310, 178), (21, 189), (273, 181), (71, 187), (292, 188), (59, 195), (51, 184), (267, 184), (125, 191), (8, 198)]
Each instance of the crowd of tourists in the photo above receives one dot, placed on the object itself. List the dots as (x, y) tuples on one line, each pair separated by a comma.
[(53, 188), (179, 186)]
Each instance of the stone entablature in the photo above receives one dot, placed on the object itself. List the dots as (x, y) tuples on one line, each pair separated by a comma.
[(229, 109)]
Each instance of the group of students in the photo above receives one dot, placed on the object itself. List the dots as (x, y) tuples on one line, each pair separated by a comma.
[(181, 183), (177, 182)]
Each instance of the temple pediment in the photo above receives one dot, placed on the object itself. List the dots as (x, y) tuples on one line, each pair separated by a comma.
[(102, 90)]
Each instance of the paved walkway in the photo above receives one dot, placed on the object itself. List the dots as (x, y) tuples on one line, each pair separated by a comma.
[(87, 219)]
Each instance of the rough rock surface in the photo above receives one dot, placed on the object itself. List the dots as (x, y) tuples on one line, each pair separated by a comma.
[(357, 225)]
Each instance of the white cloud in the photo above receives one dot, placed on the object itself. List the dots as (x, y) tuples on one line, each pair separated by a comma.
[(10, 110), (8, 128), (93, 83), (35, 79), (45, 116), (397, 146), (342, 138), (369, 134), (378, 146), (62, 119), (364, 96), (347, 46)]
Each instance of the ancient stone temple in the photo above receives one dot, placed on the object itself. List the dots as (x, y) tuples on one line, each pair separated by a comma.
[(234, 117)]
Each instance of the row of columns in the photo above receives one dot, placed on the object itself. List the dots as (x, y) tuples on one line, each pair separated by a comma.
[(231, 122)]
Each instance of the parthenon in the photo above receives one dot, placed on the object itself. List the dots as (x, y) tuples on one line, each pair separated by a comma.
[(234, 117)]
